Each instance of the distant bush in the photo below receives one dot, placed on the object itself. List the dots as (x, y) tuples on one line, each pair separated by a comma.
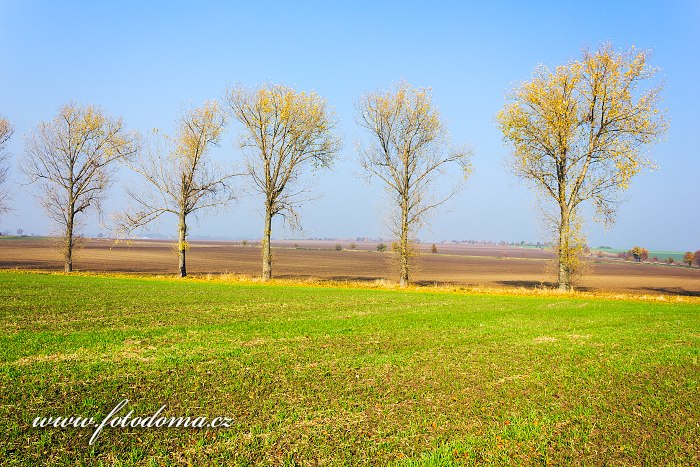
[(639, 253), (688, 258), (338, 247), (381, 247), (244, 243), (655, 259), (670, 260), (353, 246), (433, 249), (697, 257)]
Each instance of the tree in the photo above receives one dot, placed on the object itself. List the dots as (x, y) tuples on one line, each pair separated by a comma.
[(577, 135), (71, 158), (6, 131), (696, 255), (638, 253), (409, 152), (182, 180), (688, 258), (286, 134)]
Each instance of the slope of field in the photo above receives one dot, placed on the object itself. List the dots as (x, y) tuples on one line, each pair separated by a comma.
[(455, 263), (315, 375)]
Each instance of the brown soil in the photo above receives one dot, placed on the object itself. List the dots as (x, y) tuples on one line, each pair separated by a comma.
[(473, 265)]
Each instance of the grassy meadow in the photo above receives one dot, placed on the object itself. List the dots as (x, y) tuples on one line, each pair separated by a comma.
[(344, 376)]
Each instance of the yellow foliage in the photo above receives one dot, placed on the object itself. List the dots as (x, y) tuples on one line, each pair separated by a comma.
[(199, 128), (578, 132), (287, 128)]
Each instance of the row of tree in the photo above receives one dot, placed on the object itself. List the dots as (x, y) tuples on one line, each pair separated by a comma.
[(639, 254), (576, 134)]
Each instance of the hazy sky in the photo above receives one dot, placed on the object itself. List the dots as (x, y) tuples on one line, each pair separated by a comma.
[(146, 61)]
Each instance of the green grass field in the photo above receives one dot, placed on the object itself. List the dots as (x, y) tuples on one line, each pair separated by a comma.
[(322, 375)]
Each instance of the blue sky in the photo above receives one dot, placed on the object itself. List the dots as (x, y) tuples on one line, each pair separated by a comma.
[(146, 61)]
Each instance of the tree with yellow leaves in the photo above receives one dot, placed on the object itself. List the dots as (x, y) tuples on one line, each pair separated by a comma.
[(285, 133), (689, 258), (6, 130), (578, 134), (71, 158), (408, 152), (181, 180)]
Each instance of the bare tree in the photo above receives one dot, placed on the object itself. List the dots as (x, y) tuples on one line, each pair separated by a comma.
[(71, 159), (286, 133), (6, 131), (577, 133), (183, 180), (409, 152)]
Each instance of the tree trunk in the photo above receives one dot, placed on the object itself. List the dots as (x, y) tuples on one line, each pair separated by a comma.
[(564, 276), (182, 245), (404, 251), (564, 246), (404, 272), (68, 248), (266, 250)]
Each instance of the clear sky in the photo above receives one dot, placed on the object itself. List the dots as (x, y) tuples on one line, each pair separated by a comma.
[(146, 61)]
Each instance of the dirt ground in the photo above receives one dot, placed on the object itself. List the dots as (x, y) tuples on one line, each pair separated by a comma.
[(474, 265)]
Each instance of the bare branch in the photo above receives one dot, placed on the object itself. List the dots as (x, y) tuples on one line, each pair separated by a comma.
[(6, 131)]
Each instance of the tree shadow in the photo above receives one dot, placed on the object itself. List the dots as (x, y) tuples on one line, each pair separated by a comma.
[(329, 279), (539, 285), (355, 278), (671, 291), (528, 284), (431, 283)]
